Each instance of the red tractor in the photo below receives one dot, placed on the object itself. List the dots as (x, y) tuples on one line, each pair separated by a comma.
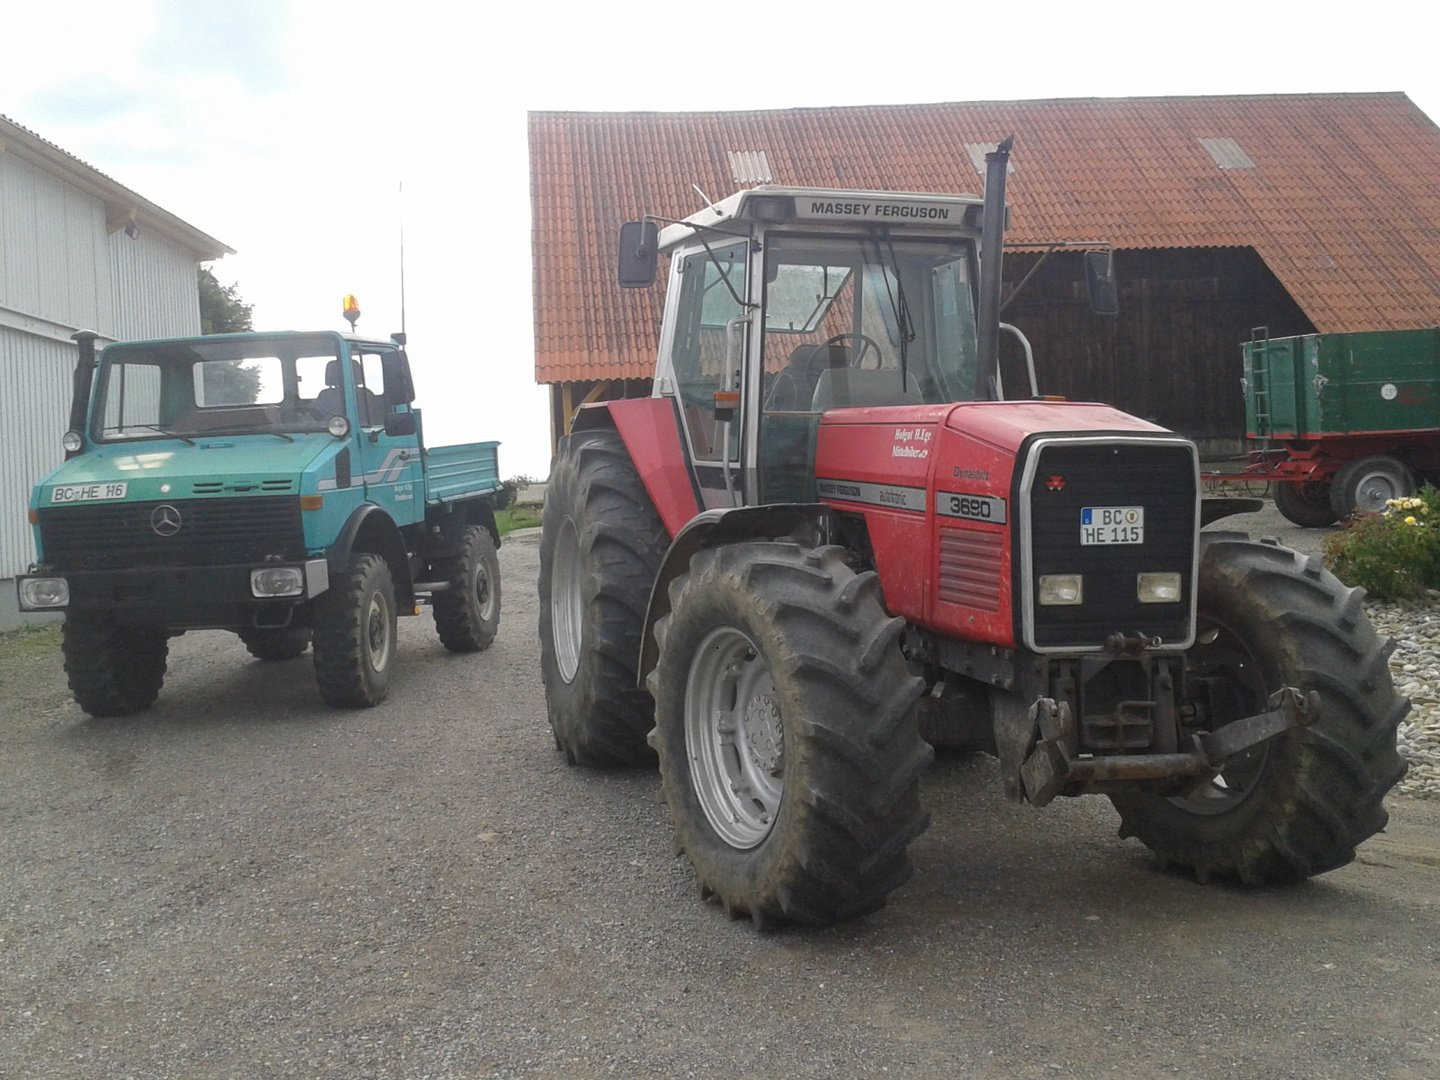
[(828, 543)]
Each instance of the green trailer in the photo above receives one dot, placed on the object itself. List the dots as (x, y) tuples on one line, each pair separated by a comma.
[(1353, 419)]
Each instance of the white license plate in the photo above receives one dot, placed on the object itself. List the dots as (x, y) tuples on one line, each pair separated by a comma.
[(1112, 525), (69, 493)]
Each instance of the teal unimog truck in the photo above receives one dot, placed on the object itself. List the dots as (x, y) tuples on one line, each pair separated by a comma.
[(1353, 419), (276, 485)]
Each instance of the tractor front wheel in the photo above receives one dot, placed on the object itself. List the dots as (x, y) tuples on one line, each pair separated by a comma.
[(355, 634), (789, 754), (1298, 804)]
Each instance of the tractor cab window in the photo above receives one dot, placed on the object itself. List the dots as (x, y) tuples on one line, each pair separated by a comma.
[(708, 350), (857, 321)]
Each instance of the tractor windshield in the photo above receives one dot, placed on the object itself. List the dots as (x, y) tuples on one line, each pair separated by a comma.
[(872, 321), (232, 386)]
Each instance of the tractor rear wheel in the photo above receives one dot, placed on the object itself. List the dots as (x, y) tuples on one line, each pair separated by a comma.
[(467, 614), (1298, 804), (113, 670), (1304, 504), (600, 549), (789, 753)]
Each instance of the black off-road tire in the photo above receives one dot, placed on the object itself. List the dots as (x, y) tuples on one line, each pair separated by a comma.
[(113, 670), (1304, 504), (276, 643), (1298, 804), (1366, 483), (355, 634), (789, 752), (467, 614), (600, 549)]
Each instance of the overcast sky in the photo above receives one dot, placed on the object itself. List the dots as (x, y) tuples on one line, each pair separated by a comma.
[(285, 127)]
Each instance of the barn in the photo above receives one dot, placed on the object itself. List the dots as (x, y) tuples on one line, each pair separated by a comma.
[(1228, 216), (78, 251)]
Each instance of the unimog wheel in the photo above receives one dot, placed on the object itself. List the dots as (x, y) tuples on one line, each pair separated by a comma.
[(355, 634), (1298, 804), (601, 546), (275, 643), (1304, 504), (789, 754), (113, 670), (467, 614), (1368, 483)]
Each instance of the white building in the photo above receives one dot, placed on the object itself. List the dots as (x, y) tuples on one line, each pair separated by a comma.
[(77, 252)]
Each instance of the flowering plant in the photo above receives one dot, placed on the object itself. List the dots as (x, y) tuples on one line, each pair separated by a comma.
[(1393, 554)]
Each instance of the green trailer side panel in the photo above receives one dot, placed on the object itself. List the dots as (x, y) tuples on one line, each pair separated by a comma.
[(1342, 384), (461, 472)]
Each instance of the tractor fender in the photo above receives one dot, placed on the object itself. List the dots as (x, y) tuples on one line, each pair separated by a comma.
[(650, 429), (806, 522), (370, 529)]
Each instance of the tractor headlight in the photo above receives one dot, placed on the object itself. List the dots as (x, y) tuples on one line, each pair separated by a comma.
[(277, 581), (44, 593), (1157, 588), (1058, 590)]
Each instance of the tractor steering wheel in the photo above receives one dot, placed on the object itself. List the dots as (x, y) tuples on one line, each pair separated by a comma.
[(866, 344)]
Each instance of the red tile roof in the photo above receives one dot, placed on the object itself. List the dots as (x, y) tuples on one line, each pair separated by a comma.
[(1343, 203)]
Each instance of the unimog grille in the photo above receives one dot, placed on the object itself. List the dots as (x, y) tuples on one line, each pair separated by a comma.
[(1066, 477), (179, 532)]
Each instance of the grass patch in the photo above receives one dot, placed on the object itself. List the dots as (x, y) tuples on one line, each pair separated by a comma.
[(520, 516)]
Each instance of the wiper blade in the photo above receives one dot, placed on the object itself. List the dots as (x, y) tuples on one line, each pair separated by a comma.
[(155, 428)]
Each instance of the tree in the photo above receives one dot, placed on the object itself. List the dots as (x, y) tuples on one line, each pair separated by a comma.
[(222, 311)]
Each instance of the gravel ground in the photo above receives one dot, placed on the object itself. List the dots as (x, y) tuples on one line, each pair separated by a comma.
[(243, 883)]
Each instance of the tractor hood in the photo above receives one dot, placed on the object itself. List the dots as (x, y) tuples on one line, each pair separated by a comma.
[(213, 466)]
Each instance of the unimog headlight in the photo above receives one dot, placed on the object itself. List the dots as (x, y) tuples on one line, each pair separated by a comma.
[(72, 442), (277, 581), (44, 593)]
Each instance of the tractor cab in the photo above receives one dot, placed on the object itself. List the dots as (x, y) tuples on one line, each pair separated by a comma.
[(784, 303)]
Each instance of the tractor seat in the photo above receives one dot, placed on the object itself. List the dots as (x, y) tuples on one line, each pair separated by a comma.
[(847, 388)]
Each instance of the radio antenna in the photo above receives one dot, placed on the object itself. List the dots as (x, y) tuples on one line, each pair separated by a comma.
[(402, 256)]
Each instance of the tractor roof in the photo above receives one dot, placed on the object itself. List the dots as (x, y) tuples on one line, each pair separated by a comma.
[(773, 204)]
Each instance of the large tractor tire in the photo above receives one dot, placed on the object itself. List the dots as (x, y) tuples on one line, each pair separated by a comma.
[(789, 753), (355, 634), (1298, 804), (275, 643), (113, 670), (1367, 483), (1304, 504), (600, 550), (467, 614)]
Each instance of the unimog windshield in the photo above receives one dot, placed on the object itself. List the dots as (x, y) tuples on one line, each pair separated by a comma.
[(231, 386)]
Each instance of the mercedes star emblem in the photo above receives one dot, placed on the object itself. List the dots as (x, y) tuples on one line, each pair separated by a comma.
[(165, 520)]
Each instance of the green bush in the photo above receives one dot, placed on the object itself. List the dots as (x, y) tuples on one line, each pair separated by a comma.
[(1392, 555)]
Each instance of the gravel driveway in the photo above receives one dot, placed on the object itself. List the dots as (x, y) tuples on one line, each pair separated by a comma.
[(243, 883)]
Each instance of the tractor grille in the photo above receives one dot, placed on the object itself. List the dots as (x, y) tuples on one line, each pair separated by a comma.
[(970, 568), (1072, 476), (211, 532)]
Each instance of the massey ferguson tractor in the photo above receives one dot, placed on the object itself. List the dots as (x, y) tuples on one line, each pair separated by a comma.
[(829, 543)]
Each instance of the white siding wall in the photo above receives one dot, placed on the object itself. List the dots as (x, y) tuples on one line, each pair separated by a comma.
[(60, 272)]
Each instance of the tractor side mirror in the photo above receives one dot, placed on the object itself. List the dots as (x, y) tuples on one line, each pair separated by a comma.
[(399, 423), (639, 246), (1100, 284), (399, 386)]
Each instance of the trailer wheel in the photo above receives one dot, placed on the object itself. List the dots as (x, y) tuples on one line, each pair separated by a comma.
[(467, 614), (1298, 804), (600, 549), (277, 643), (789, 753), (113, 670), (1366, 483), (1306, 504), (355, 634)]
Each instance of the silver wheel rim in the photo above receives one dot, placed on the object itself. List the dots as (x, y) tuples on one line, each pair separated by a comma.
[(1374, 490), (1226, 654), (484, 595), (734, 738), (377, 631), (566, 601)]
